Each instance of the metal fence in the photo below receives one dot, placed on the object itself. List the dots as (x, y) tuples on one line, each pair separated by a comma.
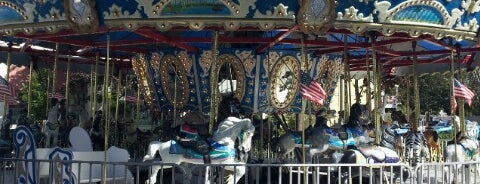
[(47, 171)]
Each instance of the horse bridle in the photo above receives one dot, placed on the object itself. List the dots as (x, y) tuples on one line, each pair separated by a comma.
[(235, 108)]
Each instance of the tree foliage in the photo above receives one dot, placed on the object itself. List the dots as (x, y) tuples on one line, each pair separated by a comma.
[(38, 109), (434, 92)]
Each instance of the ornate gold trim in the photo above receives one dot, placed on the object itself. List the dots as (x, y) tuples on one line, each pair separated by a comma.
[(82, 24), (312, 21), (412, 30), (181, 73), (239, 71), (139, 65), (293, 65)]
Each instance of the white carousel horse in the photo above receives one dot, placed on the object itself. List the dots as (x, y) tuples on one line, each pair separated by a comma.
[(223, 141), (464, 151), (51, 125)]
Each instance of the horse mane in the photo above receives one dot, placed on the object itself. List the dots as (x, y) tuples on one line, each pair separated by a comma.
[(227, 104), (413, 122), (357, 112)]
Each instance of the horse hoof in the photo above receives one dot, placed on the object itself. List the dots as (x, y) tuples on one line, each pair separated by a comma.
[(146, 158)]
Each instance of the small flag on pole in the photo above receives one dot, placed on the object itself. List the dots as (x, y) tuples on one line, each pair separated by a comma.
[(7, 92), (6, 88), (311, 89), (461, 91), (56, 95), (131, 99)]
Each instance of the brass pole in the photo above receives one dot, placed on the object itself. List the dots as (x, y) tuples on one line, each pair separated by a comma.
[(107, 118), (55, 65), (7, 77), (304, 104), (461, 101), (213, 84), (125, 91), (175, 98), (346, 82), (138, 102), (376, 89), (117, 103), (109, 92), (30, 90), (369, 79), (407, 102), (97, 58), (91, 89), (48, 86), (67, 83), (118, 94), (452, 98), (416, 92)]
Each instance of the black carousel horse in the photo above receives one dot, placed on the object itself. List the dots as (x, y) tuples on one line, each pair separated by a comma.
[(6, 144), (366, 153), (96, 132)]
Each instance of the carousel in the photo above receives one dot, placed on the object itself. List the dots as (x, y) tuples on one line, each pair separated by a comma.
[(232, 82)]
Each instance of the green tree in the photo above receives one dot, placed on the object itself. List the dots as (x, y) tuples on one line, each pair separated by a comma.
[(435, 92), (39, 94)]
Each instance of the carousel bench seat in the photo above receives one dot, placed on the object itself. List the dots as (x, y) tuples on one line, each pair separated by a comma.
[(90, 168)]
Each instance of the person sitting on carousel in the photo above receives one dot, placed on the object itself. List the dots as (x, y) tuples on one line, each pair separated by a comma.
[(5, 137), (96, 131), (321, 118)]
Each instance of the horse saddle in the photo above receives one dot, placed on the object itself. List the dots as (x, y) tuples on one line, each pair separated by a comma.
[(298, 139), (193, 131), (216, 150), (336, 139), (379, 154), (470, 147), (52, 126)]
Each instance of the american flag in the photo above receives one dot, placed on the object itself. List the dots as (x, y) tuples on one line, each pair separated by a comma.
[(461, 91), (311, 89), (131, 99), (6, 88), (56, 95), (7, 92)]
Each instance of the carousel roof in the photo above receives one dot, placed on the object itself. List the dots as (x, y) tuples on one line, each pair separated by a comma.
[(397, 31), (81, 27)]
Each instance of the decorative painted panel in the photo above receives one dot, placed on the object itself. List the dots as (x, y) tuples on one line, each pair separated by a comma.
[(316, 16), (252, 74), (61, 173), (25, 147)]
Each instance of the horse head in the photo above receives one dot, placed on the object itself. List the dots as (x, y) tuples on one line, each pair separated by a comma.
[(232, 128), (230, 106), (359, 115), (471, 130), (399, 117)]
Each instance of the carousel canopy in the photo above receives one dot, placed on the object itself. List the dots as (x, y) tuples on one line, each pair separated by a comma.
[(254, 31), (81, 27)]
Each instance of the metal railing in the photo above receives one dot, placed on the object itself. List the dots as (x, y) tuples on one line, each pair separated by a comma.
[(48, 171)]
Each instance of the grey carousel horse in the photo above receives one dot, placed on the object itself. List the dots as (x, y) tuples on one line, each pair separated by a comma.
[(356, 131), (51, 126), (465, 150), (367, 153)]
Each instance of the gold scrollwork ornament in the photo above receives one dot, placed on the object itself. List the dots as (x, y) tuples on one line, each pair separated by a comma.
[(237, 70), (81, 15), (316, 16), (172, 72), (283, 84)]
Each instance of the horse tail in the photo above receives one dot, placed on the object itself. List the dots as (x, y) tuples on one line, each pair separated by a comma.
[(415, 144), (435, 135)]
